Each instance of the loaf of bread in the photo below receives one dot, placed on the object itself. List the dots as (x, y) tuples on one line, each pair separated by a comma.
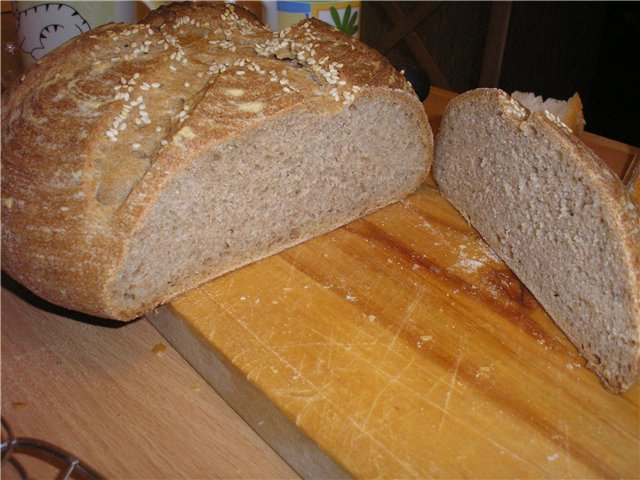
[(558, 217), (140, 161)]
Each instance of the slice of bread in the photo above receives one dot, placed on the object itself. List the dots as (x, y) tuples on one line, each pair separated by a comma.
[(555, 213)]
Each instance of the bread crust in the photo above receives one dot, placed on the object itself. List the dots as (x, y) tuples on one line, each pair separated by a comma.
[(77, 184), (622, 215)]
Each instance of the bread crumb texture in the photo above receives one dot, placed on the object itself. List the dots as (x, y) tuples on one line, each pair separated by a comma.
[(140, 160), (556, 215)]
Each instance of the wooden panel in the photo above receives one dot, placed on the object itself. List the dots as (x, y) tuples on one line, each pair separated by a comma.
[(119, 398), (401, 346)]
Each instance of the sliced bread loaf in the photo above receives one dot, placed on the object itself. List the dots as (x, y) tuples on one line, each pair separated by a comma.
[(556, 215), (140, 161)]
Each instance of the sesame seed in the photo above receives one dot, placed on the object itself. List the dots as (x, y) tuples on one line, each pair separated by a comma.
[(163, 142), (187, 84), (155, 85), (135, 146), (158, 129), (172, 68), (240, 72)]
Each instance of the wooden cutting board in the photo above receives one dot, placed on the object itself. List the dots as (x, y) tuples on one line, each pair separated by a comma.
[(401, 346)]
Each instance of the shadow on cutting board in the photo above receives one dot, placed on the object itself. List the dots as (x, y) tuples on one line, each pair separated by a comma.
[(32, 299)]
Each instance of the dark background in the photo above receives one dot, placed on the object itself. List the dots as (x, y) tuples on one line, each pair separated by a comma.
[(553, 49)]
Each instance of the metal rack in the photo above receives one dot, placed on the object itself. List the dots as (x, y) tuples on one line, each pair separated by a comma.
[(68, 464)]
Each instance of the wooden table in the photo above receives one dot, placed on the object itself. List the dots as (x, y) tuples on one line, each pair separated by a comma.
[(120, 399), (123, 400)]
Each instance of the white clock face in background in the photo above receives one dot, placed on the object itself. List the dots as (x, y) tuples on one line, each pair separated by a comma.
[(44, 27)]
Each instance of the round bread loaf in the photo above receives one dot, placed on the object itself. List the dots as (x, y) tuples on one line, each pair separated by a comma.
[(140, 161)]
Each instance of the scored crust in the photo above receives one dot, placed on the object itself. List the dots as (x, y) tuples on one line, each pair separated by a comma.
[(96, 129)]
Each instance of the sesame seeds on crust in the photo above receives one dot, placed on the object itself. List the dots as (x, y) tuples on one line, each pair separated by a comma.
[(557, 122), (512, 107), (515, 109), (148, 81)]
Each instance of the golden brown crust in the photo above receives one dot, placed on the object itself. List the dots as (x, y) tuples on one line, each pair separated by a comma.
[(140, 101)]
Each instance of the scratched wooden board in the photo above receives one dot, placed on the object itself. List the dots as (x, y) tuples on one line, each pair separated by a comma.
[(401, 346)]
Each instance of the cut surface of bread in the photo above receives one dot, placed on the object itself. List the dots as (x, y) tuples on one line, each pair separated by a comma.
[(556, 215), (140, 161), (261, 193)]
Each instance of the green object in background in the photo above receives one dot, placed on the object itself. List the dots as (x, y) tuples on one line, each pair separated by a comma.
[(348, 23), (344, 15)]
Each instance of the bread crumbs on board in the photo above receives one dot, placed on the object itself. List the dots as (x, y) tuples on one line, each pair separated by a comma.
[(159, 348)]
